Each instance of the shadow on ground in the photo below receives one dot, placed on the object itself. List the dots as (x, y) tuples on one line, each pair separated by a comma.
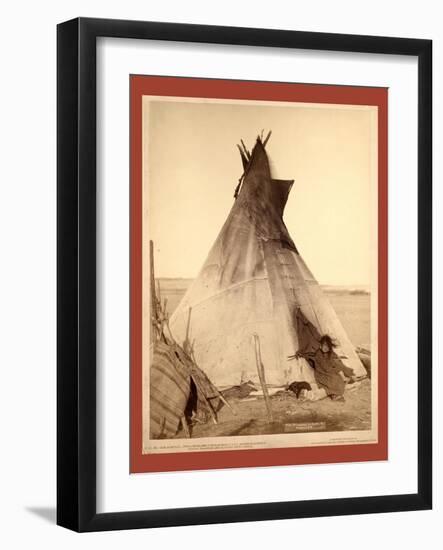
[(46, 513)]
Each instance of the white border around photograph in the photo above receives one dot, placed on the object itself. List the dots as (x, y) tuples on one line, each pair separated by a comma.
[(117, 490)]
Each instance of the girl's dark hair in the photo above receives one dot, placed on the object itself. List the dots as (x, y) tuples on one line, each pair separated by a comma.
[(326, 339)]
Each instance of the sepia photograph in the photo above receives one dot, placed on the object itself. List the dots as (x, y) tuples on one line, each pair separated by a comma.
[(260, 273)]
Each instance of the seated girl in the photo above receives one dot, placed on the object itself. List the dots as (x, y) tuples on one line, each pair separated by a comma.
[(329, 370)]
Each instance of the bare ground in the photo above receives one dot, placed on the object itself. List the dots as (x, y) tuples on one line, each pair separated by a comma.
[(291, 415)]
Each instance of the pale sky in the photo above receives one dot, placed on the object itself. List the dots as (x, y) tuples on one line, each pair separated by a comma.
[(192, 165)]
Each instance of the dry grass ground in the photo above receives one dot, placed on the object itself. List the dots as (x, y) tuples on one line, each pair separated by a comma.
[(291, 415)]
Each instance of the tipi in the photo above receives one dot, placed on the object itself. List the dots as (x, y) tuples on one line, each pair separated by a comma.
[(254, 281)]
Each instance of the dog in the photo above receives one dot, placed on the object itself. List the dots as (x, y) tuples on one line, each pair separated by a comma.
[(298, 387)]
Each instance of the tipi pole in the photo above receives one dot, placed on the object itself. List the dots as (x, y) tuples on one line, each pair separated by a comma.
[(185, 426), (187, 343), (205, 399), (261, 375), (154, 312), (247, 153), (224, 400), (267, 138)]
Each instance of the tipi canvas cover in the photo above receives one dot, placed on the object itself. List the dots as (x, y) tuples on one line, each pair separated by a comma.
[(254, 281)]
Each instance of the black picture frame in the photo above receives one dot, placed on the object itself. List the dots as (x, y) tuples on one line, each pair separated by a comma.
[(76, 278)]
